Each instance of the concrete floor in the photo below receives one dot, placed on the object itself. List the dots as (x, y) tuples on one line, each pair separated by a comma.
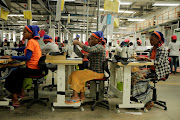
[(167, 91)]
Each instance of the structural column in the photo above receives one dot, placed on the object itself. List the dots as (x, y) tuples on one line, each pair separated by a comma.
[(98, 12), (87, 27), (29, 21)]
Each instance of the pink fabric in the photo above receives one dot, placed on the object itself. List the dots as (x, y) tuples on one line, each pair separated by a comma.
[(42, 33), (142, 55), (126, 40), (86, 43), (174, 37)]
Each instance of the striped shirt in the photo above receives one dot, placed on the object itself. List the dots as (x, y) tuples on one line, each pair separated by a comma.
[(97, 55)]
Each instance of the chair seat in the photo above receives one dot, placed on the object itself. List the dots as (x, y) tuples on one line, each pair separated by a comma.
[(37, 77), (102, 79), (51, 67)]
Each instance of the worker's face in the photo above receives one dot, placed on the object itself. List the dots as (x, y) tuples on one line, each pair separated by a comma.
[(45, 42), (172, 40), (27, 34), (154, 40), (93, 41), (77, 38), (138, 43)]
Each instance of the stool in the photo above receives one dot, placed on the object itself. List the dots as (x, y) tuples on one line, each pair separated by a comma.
[(53, 68), (36, 99), (97, 101), (154, 97)]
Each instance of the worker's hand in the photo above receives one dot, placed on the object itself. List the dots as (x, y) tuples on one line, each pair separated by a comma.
[(75, 42), (5, 57), (85, 55), (141, 58)]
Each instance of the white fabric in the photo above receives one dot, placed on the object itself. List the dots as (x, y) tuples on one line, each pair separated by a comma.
[(174, 48), (122, 51), (50, 47), (130, 51)]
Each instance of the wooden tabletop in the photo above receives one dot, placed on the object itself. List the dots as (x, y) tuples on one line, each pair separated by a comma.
[(6, 60), (12, 64), (136, 63), (69, 62)]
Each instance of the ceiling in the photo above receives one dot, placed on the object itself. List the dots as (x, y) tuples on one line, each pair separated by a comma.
[(42, 9)]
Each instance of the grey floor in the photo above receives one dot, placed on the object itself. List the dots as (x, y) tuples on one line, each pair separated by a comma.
[(168, 91)]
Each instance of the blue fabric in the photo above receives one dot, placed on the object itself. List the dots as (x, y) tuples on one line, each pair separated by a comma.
[(99, 34), (162, 37), (21, 49), (109, 19), (23, 58), (78, 36), (47, 37), (35, 29), (123, 43)]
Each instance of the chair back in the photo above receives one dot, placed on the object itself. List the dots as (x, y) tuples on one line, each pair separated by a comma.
[(105, 67), (42, 65), (165, 78)]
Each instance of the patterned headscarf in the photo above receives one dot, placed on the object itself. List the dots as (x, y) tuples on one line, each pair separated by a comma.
[(34, 29), (160, 36), (126, 40), (47, 38), (99, 35), (77, 36), (42, 33)]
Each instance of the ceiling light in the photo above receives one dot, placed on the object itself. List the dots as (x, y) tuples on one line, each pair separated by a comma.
[(15, 15), (64, 0), (165, 4), (100, 9), (125, 3), (124, 28), (135, 19), (25, 21), (95, 18), (68, 0), (121, 11)]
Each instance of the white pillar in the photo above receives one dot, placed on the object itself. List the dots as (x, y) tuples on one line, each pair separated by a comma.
[(51, 33), (29, 21)]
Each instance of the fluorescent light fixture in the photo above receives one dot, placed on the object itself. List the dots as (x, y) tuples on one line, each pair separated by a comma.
[(18, 15), (68, 0), (165, 4), (64, 0), (25, 21), (125, 3), (100, 9), (95, 18), (123, 28), (134, 19), (121, 11)]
